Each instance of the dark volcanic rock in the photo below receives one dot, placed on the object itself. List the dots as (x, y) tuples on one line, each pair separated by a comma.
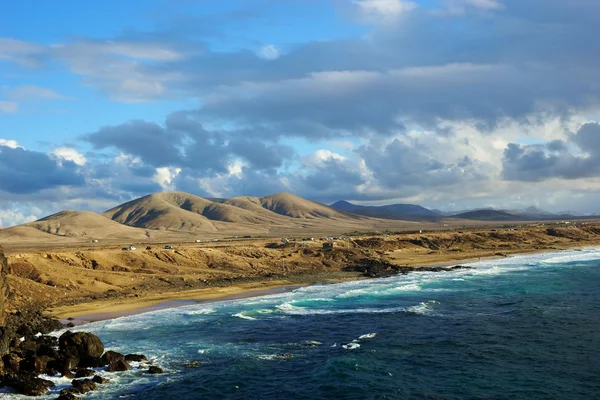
[(135, 357), (29, 384), (111, 357), (155, 370), (68, 374), (84, 373), (69, 363), (119, 365), (66, 395), (46, 350), (100, 380), (81, 344), (83, 385), (12, 362), (374, 268), (40, 364), (92, 362)]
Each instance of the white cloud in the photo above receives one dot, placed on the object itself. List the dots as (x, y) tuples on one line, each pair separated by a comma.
[(8, 107), (14, 217), (269, 52), (385, 11), (32, 92), (69, 154), (127, 160), (10, 143), (320, 156), (235, 168), (164, 177), (461, 6)]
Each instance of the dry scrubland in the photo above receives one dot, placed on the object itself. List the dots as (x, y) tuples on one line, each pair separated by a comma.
[(100, 278)]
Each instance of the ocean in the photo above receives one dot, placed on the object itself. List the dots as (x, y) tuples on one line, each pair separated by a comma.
[(523, 327)]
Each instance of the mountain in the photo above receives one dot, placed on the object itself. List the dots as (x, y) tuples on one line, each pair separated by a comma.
[(488, 215), (390, 211), (535, 210), (71, 224), (181, 211), (344, 205), (296, 207)]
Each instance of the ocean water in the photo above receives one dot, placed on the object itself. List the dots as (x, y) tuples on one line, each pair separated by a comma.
[(524, 327)]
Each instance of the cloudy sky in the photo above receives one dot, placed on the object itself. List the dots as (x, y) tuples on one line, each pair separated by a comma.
[(450, 104)]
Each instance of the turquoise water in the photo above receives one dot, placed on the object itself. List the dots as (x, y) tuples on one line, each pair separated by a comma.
[(518, 328)]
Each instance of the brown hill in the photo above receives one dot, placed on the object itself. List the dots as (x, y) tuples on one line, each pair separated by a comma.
[(293, 206), (181, 212), (84, 224), (29, 234)]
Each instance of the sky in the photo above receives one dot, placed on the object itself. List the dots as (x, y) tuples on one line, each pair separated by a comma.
[(451, 104)]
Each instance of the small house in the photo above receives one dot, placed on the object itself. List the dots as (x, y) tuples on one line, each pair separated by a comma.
[(131, 248)]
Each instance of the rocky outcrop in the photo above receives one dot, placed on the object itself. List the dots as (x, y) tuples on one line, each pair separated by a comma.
[(85, 346), (374, 268), (68, 356)]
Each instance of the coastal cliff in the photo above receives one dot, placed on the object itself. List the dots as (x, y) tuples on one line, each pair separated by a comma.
[(4, 294)]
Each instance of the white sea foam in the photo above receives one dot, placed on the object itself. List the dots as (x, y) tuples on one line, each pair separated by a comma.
[(351, 346), (424, 308), (289, 309), (367, 336), (243, 316), (268, 357), (574, 257), (202, 311)]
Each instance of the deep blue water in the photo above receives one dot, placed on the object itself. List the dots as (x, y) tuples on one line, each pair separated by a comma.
[(526, 327)]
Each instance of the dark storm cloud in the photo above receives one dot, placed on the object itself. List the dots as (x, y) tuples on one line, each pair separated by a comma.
[(555, 159), (184, 142), (139, 138), (260, 155), (333, 175), (24, 171)]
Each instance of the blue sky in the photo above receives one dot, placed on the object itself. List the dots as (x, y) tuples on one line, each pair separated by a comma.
[(451, 104)]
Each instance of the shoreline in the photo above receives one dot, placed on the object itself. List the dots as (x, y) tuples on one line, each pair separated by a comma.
[(83, 313), (174, 303)]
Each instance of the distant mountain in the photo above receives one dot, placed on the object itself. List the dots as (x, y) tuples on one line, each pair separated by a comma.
[(344, 205), (390, 211), (489, 215), (535, 210)]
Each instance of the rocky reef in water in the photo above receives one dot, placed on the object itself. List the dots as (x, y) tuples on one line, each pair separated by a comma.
[(376, 268), (27, 351)]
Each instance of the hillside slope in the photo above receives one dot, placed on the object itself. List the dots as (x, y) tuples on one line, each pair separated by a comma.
[(84, 224), (180, 212), (293, 206)]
